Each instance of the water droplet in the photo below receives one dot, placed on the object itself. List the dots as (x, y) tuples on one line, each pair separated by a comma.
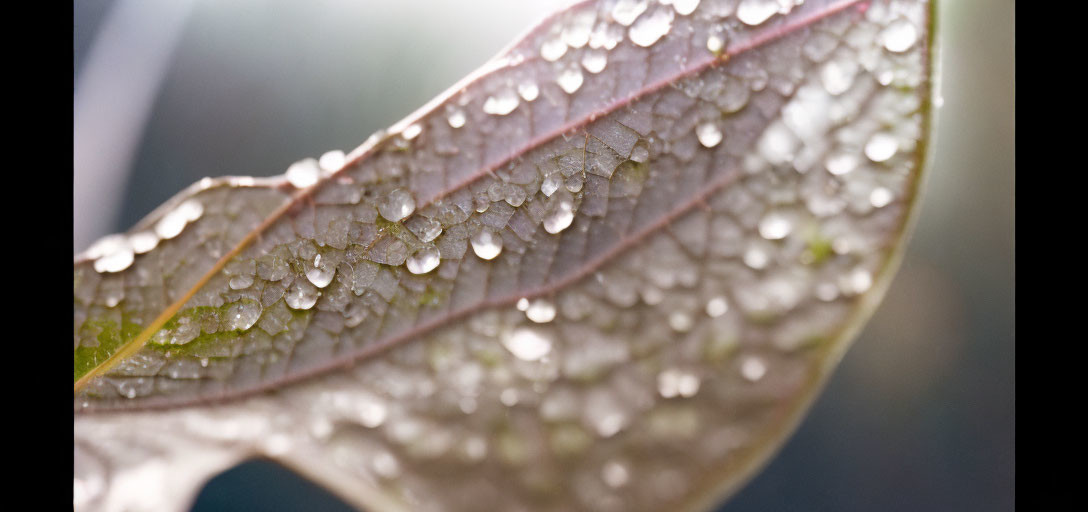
[(560, 218), (648, 29), (709, 134), (615, 474), (716, 307), (685, 7), (424, 260), (302, 295), (540, 311), (677, 383), (756, 258), (509, 397), (575, 183), (775, 226), (303, 173), (552, 49), (715, 43), (626, 11), (320, 276), (640, 154), (881, 147), (486, 244), (838, 75), (456, 118), (570, 80), (397, 205), (899, 36), (428, 229), (412, 131), (680, 321), (523, 304), (841, 163), (856, 282), (172, 223), (594, 60), (502, 103), (528, 91), (143, 242), (753, 369), (241, 282), (332, 161), (576, 32), (242, 315), (880, 197), (113, 253), (551, 184), (527, 344), (755, 12)]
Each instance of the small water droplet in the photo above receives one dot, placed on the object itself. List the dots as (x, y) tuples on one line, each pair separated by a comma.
[(412, 131), (674, 383), (716, 307), (709, 134), (303, 173), (755, 12), (594, 60), (685, 7), (715, 43), (397, 205), (302, 295), (626, 11), (841, 163), (143, 242), (486, 244), (552, 49), (560, 218), (576, 32), (502, 103), (523, 304), (756, 258), (570, 80), (527, 344), (172, 223), (753, 369), (881, 147), (880, 197), (320, 276), (680, 321), (837, 76), (241, 282), (456, 118), (615, 474), (528, 91), (648, 29), (540, 311), (423, 260), (899, 36), (775, 226), (551, 184), (113, 253), (242, 315), (331, 161)]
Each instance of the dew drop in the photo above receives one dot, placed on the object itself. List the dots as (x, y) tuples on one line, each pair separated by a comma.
[(677, 383), (715, 43), (428, 230), (114, 254), (880, 197), (172, 223), (552, 49), (756, 258), (528, 91), (775, 226), (709, 134), (648, 29), (486, 244), (551, 184), (143, 242), (570, 80), (332, 161), (560, 218), (626, 11), (523, 304), (397, 205), (540, 311), (594, 61), (899, 36), (841, 163), (615, 475), (753, 369), (576, 33), (680, 321), (320, 276), (716, 307), (527, 344), (501, 103), (302, 295), (423, 260), (755, 12), (242, 315), (456, 118), (838, 75), (881, 147), (303, 173), (685, 7), (241, 282), (412, 131), (640, 154)]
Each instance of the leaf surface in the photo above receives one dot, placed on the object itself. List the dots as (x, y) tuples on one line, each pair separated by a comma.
[(607, 271)]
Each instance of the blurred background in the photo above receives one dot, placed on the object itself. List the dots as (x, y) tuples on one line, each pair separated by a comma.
[(919, 415)]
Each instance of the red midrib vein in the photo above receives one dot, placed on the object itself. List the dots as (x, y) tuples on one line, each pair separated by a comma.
[(360, 153)]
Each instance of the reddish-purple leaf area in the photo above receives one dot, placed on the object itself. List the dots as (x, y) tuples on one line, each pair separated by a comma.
[(632, 244)]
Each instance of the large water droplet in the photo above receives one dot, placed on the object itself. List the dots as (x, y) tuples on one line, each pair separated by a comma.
[(242, 315), (112, 253), (423, 261), (626, 11), (540, 311), (502, 103), (397, 205), (560, 218), (709, 134), (486, 244), (755, 12), (570, 80), (899, 36), (527, 344), (302, 295), (881, 147), (648, 29), (303, 173)]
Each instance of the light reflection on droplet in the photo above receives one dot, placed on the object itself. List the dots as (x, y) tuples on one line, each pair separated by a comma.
[(540, 311), (570, 80), (753, 369), (423, 261), (708, 133), (528, 91), (303, 173), (881, 147), (502, 103), (899, 36), (456, 118), (486, 244), (716, 307), (527, 344)]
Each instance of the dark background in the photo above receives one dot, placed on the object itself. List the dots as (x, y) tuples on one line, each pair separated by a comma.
[(920, 414)]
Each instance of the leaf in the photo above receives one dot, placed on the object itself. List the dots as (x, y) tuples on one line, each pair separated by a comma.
[(607, 271)]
